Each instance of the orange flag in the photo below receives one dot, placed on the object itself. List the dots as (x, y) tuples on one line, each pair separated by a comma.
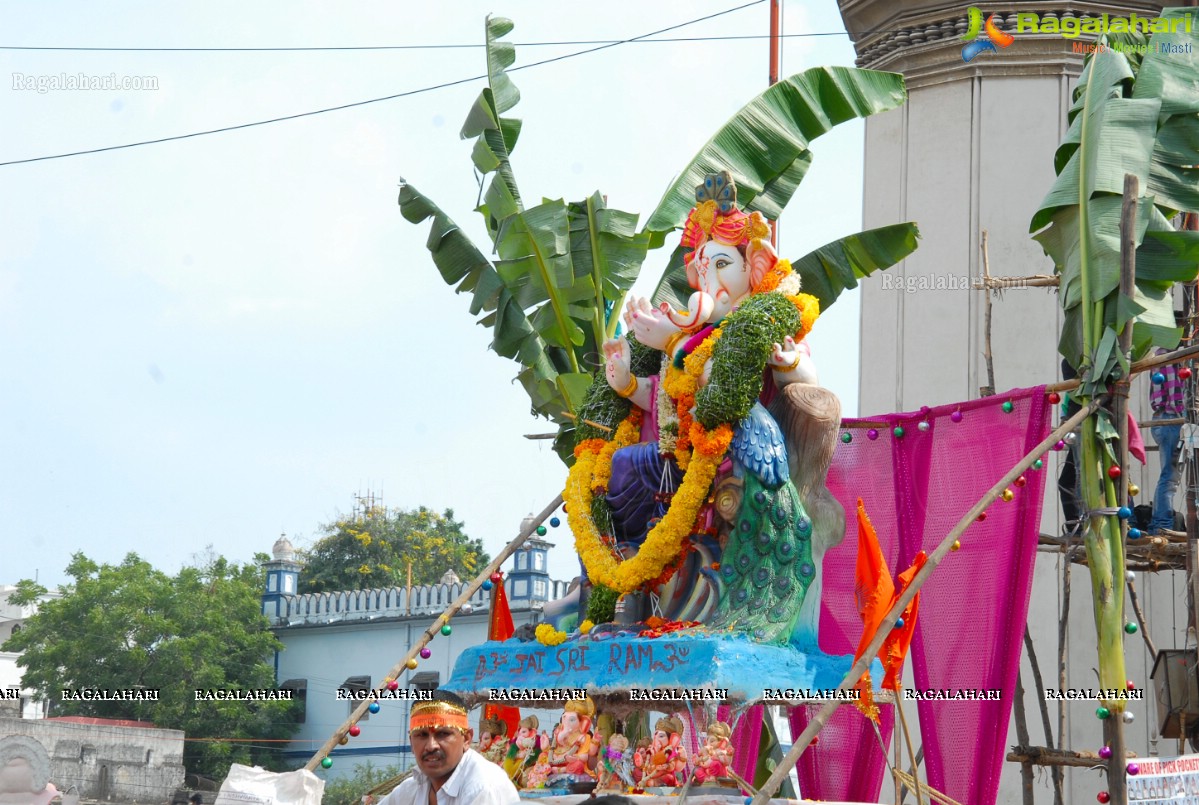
[(501, 628), (895, 648), (874, 591)]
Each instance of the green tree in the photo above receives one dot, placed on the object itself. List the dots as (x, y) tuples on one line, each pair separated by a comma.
[(373, 549), (130, 626), (349, 790)]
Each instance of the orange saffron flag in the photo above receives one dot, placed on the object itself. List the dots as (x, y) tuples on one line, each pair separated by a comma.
[(874, 591), (895, 648), (501, 628)]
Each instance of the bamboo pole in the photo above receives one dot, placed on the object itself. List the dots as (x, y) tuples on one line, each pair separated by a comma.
[(990, 387), (433, 629), (1026, 791), (1039, 683), (907, 739), (934, 560), (1143, 365)]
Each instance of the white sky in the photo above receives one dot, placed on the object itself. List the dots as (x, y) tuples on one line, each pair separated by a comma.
[(218, 339)]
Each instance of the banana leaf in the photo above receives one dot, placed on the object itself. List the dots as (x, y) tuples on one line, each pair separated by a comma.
[(765, 145), (496, 135), (1131, 115)]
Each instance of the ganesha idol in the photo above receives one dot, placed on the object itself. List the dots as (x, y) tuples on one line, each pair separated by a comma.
[(710, 493)]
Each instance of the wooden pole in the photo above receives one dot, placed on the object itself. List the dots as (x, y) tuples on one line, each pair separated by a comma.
[(776, 13), (434, 629), (934, 560), (989, 389), (1026, 789), (907, 739)]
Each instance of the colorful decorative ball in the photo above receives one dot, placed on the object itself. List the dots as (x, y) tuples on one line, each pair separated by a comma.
[(326, 763), (1159, 378), (487, 585), (1130, 576), (956, 416), (1021, 481), (1071, 437), (1130, 685), (354, 730), (392, 684), (1133, 489), (1113, 471), (555, 522), (1054, 398), (373, 707), (1128, 717), (846, 437), (1008, 407), (982, 516), (1036, 465), (957, 544), (541, 530), (1103, 797), (898, 623), (496, 577), (872, 434), (425, 653), (923, 427), (447, 630), (1105, 752), (1008, 495), (343, 740), (1059, 445), (1133, 769), (527, 546), (1103, 713), (898, 431), (1130, 628), (466, 609), (1134, 533), (1124, 512), (1184, 373), (411, 664)]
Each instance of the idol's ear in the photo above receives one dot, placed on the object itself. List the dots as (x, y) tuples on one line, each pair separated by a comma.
[(760, 257), (692, 273)]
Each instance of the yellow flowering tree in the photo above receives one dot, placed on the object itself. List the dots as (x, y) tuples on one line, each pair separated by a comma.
[(372, 548)]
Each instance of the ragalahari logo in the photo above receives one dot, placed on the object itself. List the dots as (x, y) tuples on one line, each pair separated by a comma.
[(991, 36)]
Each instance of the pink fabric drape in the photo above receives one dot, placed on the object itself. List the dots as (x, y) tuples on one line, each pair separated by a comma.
[(973, 608)]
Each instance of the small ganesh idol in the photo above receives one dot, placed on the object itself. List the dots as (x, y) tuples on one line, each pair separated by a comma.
[(492, 744), (524, 751), (667, 757), (716, 755), (571, 745), (615, 765)]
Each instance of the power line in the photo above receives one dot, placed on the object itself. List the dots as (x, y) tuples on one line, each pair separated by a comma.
[(373, 100), (448, 46)]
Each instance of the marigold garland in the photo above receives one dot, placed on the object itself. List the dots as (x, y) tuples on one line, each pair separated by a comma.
[(664, 541), (626, 434), (548, 635)]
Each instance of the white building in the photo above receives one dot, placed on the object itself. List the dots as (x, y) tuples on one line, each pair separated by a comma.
[(336, 644), (972, 149), (16, 701)]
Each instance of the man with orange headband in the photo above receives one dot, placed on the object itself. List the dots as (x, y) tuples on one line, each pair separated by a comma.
[(448, 771)]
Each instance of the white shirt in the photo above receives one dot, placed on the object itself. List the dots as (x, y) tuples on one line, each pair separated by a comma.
[(476, 781)]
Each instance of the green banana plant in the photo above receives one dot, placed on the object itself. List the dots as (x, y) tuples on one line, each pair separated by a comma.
[(552, 288), (1139, 115)]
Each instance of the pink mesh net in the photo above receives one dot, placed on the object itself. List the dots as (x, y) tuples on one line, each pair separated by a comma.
[(974, 606)]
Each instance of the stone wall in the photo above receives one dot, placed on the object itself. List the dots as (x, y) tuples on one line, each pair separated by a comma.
[(107, 761)]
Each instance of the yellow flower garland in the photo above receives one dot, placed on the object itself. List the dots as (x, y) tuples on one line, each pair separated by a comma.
[(594, 464), (548, 635), (664, 541)]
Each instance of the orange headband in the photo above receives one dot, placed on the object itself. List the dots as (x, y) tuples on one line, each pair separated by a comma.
[(432, 715)]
